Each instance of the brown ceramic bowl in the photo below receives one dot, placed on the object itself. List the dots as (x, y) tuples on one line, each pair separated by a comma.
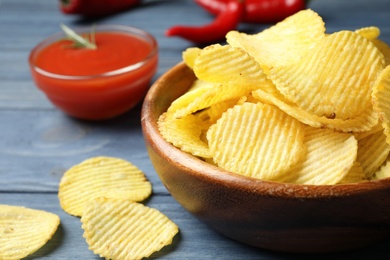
[(269, 215)]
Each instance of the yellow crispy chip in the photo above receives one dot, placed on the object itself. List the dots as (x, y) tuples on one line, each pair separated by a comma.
[(369, 33), (256, 140), (383, 172), (372, 152), (185, 133), (330, 156), (381, 99), (384, 48), (375, 129), (210, 115), (354, 175), (189, 56), (225, 64), (324, 83), (120, 229), (101, 176), (218, 93), (283, 43), (23, 230), (214, 112), (362, 123), (198, 88)]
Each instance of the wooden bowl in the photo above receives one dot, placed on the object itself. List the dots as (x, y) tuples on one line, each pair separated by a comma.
[(269, 215)]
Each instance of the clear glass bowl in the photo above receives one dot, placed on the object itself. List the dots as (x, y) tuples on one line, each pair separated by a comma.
[(102, 95)]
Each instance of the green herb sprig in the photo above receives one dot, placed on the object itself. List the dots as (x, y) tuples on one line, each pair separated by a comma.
[(78, 40)]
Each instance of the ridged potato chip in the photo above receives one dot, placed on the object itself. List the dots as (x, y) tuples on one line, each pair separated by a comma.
[(372, 33), (121, 229), (256, 140), (283, 43), (101, 176), (185, 133), (383, 172), (189, 56), (354, 175), (217, 94), (360, 135), (362, 123), (324, 83), (198, 88), (369, 33), (381, 99), (372, 152), (226, 64), (329, 158), (384, 48), (214, 112), (23, 230)]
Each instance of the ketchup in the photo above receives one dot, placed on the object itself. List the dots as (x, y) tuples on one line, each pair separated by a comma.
[(115, 51), (95, 83)]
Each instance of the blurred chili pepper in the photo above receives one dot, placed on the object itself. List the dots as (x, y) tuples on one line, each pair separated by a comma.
[(96, 7), (258, 11), (226, 20)]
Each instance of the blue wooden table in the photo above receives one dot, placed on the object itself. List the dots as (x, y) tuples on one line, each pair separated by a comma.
[(38, 142)]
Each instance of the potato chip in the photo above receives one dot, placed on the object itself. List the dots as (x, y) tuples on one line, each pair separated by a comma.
[(225, 64), (283, 43), (101, 176), (354, 175), (214, 112), (189, 56), (23, 230), (362, 123), (375, 129), (372, 33), (323, 82), (383, 172), (384, 48), (198, 88), (256, 140), (329, 158), (381, 100), (210, 116), (185, 133), (218, 93), (369, 33), (372, 152), (121, 229)]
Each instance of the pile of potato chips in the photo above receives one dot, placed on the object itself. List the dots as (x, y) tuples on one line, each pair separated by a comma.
[(289, 104)]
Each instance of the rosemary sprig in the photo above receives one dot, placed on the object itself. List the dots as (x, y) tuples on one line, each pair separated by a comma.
[(78, 40)]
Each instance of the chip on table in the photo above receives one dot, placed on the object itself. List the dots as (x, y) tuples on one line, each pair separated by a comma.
[(101, 176), (122, 229), (24, 230)]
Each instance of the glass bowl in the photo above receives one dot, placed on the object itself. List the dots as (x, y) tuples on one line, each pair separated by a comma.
[(102, 94)]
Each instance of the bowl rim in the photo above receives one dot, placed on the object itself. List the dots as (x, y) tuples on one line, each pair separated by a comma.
[(203, 170), (130, 30)]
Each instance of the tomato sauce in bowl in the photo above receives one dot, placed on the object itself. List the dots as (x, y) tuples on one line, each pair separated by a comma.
[(99, 83)]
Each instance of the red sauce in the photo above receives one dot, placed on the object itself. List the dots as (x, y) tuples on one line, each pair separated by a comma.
[(115, 51), (95, 97)]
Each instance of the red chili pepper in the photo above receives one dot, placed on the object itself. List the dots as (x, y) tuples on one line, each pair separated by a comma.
[(227, 20), (96, 7), (258, 11)]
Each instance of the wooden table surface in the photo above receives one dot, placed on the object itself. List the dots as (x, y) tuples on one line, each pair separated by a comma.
[(38, 142)]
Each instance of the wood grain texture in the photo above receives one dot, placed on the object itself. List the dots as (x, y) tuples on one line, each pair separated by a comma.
[(38, 143)]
